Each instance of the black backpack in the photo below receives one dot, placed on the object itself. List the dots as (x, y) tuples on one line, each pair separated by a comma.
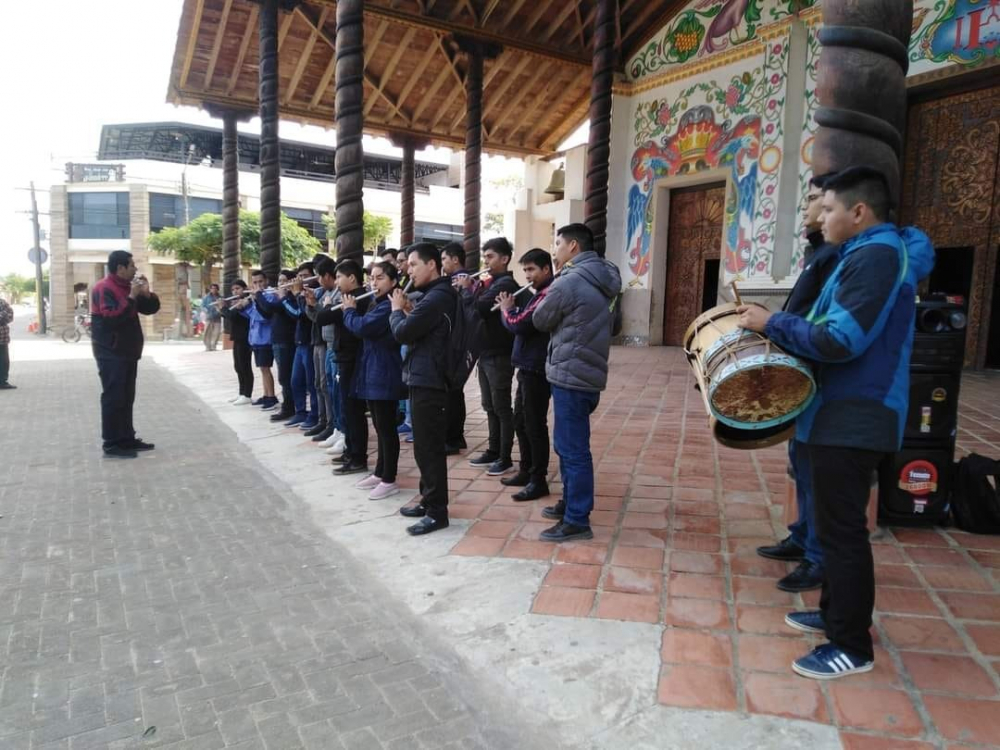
[(975, 501), (465, 342)]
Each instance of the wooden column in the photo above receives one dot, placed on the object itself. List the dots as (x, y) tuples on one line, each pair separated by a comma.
[(406, 198), (473, 152), (231, 261), (350, 124), (270, 167), (599, 142)]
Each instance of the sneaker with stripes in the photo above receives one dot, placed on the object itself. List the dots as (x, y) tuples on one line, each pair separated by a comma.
[(828, 662)]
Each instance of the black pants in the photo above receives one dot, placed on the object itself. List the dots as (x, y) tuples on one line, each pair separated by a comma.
[(117, 398), (243, 364), (356, 436), (455, 410), (284, 355), (496, 375), (4, 363), (841, 482), (531, 423), (384, 419), (427, 406)]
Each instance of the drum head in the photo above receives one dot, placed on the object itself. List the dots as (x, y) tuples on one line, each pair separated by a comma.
[(749, 440), (758, 393)]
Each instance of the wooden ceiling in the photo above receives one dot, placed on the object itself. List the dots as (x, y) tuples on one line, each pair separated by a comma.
[(536, 91)]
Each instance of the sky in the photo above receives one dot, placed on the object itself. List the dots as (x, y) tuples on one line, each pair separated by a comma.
[(70, 66)]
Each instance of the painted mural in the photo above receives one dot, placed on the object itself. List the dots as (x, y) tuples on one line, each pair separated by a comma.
[(707, 125), (709, 26), (809, 127), (962, 32)]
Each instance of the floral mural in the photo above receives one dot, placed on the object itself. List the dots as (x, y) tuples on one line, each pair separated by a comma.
[(963, 32), (809, 127), (708, 125)]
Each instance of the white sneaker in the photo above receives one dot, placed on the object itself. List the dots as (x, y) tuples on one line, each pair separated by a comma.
[(233, 399), (339, 446), (368, 483), (333, 450), (241, 401), (384, 490), (337, 435), (330, 441)]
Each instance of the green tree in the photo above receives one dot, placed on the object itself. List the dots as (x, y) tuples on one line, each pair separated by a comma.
[(17, 286), (376, 229)]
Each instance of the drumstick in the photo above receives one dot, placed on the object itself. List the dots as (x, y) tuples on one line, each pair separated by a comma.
[(736, 293), (369, 294)]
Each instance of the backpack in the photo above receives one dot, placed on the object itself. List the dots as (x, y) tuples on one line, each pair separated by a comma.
[(465, 342), (975, 501)]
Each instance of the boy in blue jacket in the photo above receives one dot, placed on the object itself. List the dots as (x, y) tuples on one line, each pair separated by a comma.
[(859, 333)]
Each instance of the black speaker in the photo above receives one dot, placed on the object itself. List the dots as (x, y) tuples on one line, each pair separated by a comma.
[(939, 339), (933, 411), (914, 486)]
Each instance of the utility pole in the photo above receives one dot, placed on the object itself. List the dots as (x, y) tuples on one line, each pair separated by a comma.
[(39, 298), (184, 185)]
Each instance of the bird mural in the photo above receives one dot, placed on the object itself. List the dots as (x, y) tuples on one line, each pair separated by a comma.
[(741, 148), (649, 162)]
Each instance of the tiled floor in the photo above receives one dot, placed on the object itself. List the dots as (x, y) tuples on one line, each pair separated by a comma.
[(676, 523)]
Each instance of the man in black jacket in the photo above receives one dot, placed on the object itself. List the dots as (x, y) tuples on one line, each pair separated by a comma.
[(282, 340), (115, 304), (453, 265), (425, 330), (239, 334), (496, 373)]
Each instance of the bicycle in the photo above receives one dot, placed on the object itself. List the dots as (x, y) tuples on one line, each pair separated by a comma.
[(74, 333)]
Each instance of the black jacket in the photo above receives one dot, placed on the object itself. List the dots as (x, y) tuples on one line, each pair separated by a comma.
[(496, 338), (239, 326), (821, 259), (282, 324), (530, 344), (346, 346), (115, 328), (426, 331)]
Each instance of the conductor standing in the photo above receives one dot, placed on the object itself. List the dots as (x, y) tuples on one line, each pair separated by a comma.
[(115, 304)]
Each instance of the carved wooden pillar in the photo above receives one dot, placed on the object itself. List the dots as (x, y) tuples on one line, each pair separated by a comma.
[(861, 86), (473, 152), (406, 198), (350, 124), (270, 166), (599, 141), (230, 204)]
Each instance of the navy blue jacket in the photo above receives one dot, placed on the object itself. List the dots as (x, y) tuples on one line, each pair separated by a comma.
[(530, 344), (860, 333), (820, 263), (379, 375), (426, 331), (282, 322), (295, 307)]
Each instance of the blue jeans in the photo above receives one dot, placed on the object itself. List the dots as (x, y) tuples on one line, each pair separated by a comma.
[(804, 529), (304, 382), (571, 435), (333, 388), (284, 354)]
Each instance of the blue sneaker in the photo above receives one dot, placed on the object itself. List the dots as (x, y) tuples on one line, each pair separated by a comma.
[(828, 662), (308, 424), (808, 622), (404, 429), (409, 438), (296, 420)]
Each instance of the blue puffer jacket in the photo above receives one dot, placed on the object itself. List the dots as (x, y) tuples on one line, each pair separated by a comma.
[(860, 333), (379, 376)]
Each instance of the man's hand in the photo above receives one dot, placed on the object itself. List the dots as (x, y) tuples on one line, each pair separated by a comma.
[(310, 295), (399, 300), (138, 288), (297, 285), (462, 282), (753, 317), (505, 300), (348, 302)]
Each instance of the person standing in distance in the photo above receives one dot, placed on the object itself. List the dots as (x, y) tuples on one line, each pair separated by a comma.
[(116, 302), (6, 317), (213, 320), (576, 312)]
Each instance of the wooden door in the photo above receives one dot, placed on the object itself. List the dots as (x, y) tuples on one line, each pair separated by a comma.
[(951, 190), (694, 236)]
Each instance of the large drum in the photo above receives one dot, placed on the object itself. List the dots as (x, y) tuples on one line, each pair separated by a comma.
[(753, 390)]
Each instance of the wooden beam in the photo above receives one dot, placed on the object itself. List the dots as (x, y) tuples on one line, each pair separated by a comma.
[(324, 82), (429, 96), (447, 105), (496, 98), (580, 26), (387, 73), (286, 23), (251, 32), (305, 56), (199, 6), (220, 34), (531, 107), (372, 45), (510, 107), (511, 12), (451, 61), (559, 19), (572, 121), (491, 6), (495, 68), (534, 18), (573, 88), (650, 28), (416, 75)]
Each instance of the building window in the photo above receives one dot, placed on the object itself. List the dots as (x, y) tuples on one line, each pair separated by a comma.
[(167, 210), (439, 234), (98, 216), (311, 221)]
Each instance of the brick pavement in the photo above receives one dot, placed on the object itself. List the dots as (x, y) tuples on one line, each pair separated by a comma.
[(184, 599)]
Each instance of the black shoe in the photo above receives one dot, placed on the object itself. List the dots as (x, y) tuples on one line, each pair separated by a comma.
[(453, 450), (427, 525), (500, 467), (413, 511), (566, 532), (117, 451), (314, 431), (7, 387), (483, 459), (521, 479), (341, 459), (785, 550), (283, 416), (351, 467), (555, 512), (806, 577), (532, 491), (324, 435), (137, 445)]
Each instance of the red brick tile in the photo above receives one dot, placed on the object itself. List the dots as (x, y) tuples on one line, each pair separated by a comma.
[(986, 559), (885, 554), (524, 550), (896, 575), (973, 606), (745, 512), (935, 556), (697, 613), (584, 553), (762, 653), (986, 637), (661, 507), (697, 482), (573, 576), (851, 741), (486, 485), (964, 579), (696, 542), (456, 510), (762, 620), (748, 547), (652, 480), (654, 538), (965, 720), (947, 673), (694, 508), (478, 546), (920, 537), (921, 633), (615, 605), (697, 586), (737, 529), (752, 498), (884, 674), (875, 709), (644, 521), (761, 591), (493, 529), (604, 517), (651, 493), (976, 541), (475, 498), (784, 695), (759, 567), (698, 524), (908, 601), (602, 502), (695, 686), (568, 602), (529, 532), (633, 581), (696, 562), (505, 513), (638, 557), (693, 493), (683, 646)]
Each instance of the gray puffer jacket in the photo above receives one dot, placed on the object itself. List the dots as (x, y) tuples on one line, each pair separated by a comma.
[(576, 313)]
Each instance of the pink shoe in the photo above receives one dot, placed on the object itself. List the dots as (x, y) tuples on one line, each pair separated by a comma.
[(368, 483), (383, 491)]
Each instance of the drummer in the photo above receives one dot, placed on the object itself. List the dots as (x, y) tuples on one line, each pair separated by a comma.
[(860, 332), (801, 544)]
